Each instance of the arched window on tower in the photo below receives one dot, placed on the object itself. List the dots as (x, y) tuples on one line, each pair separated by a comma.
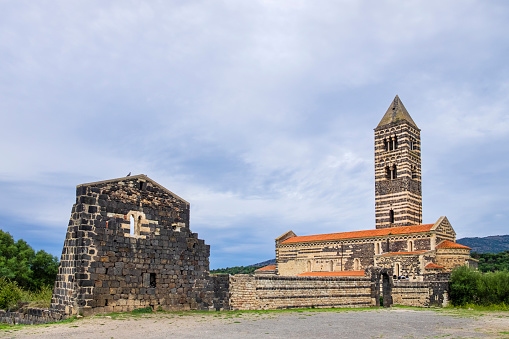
[(390, 172), (391, 216), (395, 142)]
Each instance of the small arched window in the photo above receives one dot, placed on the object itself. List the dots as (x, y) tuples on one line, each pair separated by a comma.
[(309, 266), (331, 266), (397, 270), (377, 248), (356, 264), (391, 216), (410, 246)]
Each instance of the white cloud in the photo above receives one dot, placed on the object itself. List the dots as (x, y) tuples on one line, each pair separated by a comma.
[(259, 113)]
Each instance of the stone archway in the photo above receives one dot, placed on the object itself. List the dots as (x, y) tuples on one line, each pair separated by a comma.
[(381, 280)]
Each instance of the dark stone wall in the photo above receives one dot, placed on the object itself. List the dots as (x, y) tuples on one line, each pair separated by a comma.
[(109, 266), (30, 316)]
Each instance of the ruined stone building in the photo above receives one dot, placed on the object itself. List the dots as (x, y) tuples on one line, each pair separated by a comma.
[(400, 241), (128, 246)]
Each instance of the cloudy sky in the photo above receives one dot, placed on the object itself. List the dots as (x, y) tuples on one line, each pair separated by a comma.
[(259, 113)]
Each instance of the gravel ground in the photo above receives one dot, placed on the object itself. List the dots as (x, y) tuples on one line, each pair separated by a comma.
[(378, 323)]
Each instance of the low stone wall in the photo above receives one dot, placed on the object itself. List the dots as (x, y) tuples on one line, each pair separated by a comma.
[(248, 292), (421, 294), (30, 316), (410, 293)]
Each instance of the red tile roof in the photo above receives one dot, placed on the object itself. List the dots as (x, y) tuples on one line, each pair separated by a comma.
[(332, 274), (432, 266), (361, 234), (396, 253), (267, 268), (450, 244)]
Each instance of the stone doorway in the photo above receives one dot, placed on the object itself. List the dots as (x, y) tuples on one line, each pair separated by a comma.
[(381, 286)]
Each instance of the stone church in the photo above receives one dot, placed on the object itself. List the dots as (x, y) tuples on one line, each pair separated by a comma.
[(400, 241)]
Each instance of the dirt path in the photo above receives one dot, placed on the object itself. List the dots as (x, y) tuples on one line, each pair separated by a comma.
[(379, 323)]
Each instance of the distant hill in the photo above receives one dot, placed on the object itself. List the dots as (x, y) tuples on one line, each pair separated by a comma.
[(265, 263), (491, 244)]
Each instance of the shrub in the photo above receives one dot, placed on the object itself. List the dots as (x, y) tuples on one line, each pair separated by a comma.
[(10, 294), (469, 286)]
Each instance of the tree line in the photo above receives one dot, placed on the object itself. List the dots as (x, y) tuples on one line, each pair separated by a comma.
[(236, 270), (491, 262)]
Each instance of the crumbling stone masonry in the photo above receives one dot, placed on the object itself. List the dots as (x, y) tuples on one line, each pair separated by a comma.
[(128, 246), (30, 316)]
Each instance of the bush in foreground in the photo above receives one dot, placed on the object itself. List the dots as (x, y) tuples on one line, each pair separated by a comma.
[(469, 286), (11, 295)]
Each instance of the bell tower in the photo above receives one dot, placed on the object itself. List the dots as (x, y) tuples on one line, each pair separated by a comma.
[(398, 195)]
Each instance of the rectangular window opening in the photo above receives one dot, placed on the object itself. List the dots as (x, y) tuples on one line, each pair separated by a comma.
[(152, 280)]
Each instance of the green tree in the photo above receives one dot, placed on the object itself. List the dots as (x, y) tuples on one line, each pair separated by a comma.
[(44, 269), (21, 264)]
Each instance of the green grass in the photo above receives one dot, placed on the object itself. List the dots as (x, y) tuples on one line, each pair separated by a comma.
[(142, 310), (17, 327)]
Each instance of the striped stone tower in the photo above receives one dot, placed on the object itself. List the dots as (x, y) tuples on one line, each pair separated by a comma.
[(398, 195)]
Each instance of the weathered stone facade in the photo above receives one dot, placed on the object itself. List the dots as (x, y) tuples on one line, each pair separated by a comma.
[(129, 246), (406, 250)]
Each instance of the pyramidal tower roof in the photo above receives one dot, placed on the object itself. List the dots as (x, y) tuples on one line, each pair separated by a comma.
[(395, 113)]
